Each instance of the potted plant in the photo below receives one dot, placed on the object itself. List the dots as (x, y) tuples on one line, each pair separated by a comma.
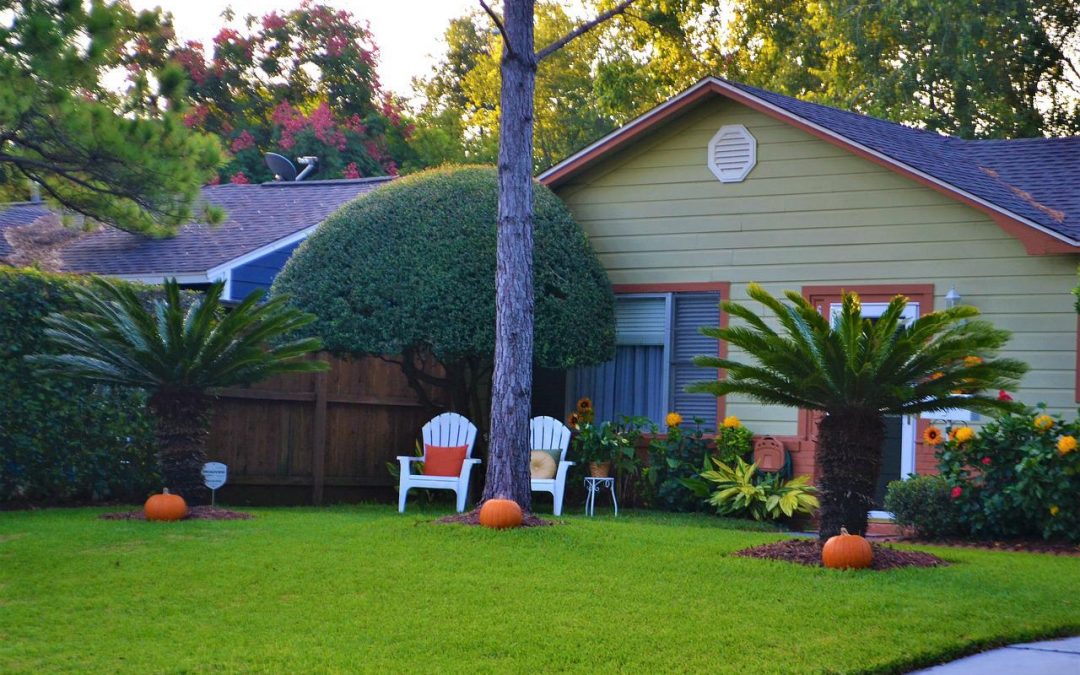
[(599, 445)]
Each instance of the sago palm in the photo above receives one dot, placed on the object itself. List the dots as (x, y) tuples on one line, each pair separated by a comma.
[(176, 354), (857, 372)]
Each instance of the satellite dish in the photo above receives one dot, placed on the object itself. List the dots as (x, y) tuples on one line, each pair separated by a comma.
[(282, 168)]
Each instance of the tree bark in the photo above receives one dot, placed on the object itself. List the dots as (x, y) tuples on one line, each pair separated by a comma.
[(850, 446), (183, 427), (508, 454)]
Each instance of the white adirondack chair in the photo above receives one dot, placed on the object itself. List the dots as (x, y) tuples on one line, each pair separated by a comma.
[(548, 433), (447, 430)]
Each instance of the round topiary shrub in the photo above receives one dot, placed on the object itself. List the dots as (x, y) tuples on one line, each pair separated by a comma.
[(409, 269)]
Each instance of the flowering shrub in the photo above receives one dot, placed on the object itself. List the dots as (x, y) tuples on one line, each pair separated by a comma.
[(674, 461), (1018, 476)]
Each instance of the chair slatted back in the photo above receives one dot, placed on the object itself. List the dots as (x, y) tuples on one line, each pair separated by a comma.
[(548, 433), (449, 430)]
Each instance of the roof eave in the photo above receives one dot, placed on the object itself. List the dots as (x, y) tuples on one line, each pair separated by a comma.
[(1037, 239)]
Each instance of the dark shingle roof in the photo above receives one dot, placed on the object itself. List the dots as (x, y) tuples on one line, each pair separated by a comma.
[(1035, 178), (255, 215), (15, 215)]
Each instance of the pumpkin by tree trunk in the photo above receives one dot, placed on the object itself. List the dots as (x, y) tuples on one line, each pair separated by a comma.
[(849, 455)]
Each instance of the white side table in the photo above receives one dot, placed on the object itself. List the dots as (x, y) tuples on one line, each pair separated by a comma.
[(592, 486)]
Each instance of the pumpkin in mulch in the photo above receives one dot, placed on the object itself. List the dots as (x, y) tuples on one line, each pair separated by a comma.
[(808, 552), (501, 514), (846, 551), (165, 507)]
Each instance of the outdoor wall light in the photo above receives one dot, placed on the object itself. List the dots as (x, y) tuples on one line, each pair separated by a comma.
[(952, 298)]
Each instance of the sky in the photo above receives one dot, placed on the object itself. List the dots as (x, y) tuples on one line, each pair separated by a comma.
[(407, 32)]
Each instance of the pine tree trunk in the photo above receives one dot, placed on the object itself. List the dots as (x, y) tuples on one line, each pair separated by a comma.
[(850, 446), (183, 427), (508, 455)]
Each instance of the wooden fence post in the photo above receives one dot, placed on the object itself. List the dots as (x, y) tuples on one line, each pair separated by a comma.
[(318, 444)]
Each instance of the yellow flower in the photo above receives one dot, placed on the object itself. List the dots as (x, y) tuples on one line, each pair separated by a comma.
[(584, 403), (932, 435), (964, 434), (937, 376), (732, 422), (1054, 510), (1066, 444), (1043, 422), (971, 361), (673, 419)]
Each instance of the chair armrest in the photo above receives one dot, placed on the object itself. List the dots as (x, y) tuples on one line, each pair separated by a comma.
[(405, 460), (564, 468), (466, 468)]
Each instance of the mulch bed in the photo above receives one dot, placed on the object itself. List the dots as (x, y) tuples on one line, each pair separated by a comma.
[(194, 513), (1015, 545), (808, 552), (473, 518)]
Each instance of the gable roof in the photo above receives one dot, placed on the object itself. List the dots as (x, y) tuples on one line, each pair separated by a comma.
[(256, 216), (1028, 186)]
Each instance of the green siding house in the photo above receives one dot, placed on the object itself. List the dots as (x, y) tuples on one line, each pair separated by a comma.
[(727, 184)]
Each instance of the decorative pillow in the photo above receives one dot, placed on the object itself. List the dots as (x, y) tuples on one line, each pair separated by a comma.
[(544, 463), (443, 461)]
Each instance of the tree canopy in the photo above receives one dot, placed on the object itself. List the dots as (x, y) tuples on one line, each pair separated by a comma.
[(91, 150), (301, 82), (410, 269)]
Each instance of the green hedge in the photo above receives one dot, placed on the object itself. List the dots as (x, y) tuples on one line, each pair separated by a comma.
[(62, 441)]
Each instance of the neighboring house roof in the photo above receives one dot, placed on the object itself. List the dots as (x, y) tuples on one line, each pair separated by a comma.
[(257, 218), (17, 214), (1028, 186)]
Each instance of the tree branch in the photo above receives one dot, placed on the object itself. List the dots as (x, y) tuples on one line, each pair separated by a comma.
[(498, 24), (582, 29)]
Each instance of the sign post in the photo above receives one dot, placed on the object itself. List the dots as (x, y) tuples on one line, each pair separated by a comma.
[(214, 475)]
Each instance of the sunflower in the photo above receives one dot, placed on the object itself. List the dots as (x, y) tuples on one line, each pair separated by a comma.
[(932, 435), (584, 403), (732, 422), (673, 419), (1066, 444), (1043, 422), (972, 361), (573, 420), (1054, 510), (964, 434)]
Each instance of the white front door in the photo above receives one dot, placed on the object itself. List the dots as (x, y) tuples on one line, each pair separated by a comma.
[(899, 462)]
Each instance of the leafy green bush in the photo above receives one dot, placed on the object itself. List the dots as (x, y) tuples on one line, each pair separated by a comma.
[(923, 504), (741, 492), (1019, 476), (676, 461), (62, 441)]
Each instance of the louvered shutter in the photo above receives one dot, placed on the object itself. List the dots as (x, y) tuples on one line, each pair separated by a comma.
[(692, 311), (640, 321), (732, 153)]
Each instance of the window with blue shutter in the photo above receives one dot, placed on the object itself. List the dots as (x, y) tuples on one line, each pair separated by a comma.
[(656, 340)]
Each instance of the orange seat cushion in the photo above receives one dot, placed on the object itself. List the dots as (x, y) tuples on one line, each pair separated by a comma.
[(443, 461)]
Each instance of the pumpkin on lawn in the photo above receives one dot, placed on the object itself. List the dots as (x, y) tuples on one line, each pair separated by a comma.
[(165, 507), (500, 514), (846, 551)]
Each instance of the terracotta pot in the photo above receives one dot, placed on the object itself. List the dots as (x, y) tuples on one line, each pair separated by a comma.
[(600, 469)]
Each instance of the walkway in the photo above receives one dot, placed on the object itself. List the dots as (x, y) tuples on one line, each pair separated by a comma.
[(1053, 657)]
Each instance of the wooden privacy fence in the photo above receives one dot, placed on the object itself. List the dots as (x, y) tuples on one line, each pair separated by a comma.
[(335, 429)]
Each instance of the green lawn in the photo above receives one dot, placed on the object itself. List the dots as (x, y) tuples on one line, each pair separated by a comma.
[(366, 589)]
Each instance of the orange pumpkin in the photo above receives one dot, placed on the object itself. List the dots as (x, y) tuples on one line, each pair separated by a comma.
[(846, 551), (165, 507), (500, 514)]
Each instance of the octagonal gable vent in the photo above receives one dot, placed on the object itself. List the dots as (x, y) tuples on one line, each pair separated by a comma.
[(732, 153)]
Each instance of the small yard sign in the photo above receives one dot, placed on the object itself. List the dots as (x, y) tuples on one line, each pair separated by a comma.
[(214, 475)]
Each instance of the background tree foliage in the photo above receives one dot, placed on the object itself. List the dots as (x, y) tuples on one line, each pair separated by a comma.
[(131, 164), (979, 68), (974, 69), (298, 83), (410, 270)]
